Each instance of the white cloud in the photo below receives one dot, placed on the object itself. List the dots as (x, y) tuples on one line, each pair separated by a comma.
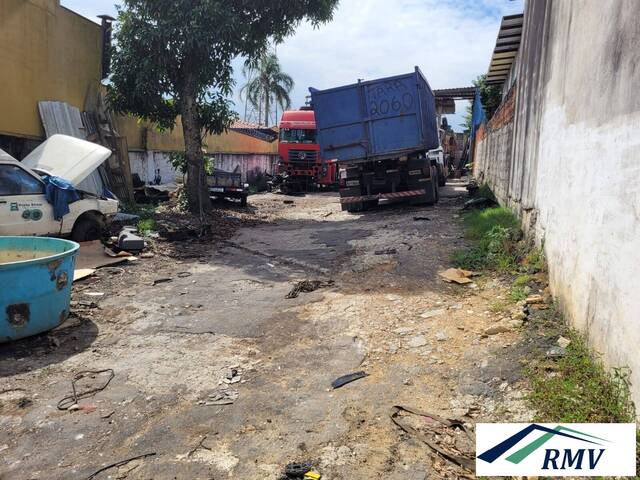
[(450, 40)]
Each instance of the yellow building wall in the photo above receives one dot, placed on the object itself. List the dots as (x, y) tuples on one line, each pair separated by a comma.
[(144, 136), (47, 52)]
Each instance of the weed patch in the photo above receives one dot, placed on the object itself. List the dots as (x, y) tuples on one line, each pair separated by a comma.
[(576, 387), (146, 212), (496, 235), (479, 223)]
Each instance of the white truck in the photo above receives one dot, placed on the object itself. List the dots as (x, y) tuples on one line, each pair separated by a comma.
[(437, 156), (24, 209)]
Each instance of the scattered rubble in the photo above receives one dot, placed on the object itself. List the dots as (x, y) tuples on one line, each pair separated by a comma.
[(563, 342), (417, 341), (495, 329), (432, 313), (220, 396), (556, 351)]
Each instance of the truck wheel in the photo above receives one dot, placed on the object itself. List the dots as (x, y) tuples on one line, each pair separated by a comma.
[(369, 204), (355, 207), (435, 181), (442, 178), (243, 201), (87, 228)]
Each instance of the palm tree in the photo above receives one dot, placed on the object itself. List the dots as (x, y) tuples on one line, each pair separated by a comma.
[(267, 84)]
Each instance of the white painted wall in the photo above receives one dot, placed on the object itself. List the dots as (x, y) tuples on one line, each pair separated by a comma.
[(587, 190), (572, 173), (148, 164)]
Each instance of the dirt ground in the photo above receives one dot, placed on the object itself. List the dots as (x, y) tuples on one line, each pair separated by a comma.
[(211, 324)]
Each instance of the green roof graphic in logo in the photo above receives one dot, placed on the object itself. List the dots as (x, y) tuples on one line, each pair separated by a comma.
[(524, 452)]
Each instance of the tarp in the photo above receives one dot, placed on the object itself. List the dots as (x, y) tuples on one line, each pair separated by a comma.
[(59, 193), (478, 117)]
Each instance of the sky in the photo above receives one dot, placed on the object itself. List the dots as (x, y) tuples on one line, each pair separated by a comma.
[(450, 40)]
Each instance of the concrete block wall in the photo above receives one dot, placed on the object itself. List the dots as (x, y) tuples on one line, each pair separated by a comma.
[(572, 167)]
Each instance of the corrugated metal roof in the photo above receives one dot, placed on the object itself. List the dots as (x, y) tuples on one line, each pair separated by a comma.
[(463, 93), (254, 130), (445, 98), (507, 45)]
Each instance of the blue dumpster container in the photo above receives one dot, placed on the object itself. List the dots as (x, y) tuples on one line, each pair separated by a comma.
[(376, 119), (36, 274)]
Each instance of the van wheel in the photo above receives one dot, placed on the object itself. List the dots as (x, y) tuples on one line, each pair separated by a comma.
[(87, 228)]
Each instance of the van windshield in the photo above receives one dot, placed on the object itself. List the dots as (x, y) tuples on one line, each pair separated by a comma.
[(297, 135)]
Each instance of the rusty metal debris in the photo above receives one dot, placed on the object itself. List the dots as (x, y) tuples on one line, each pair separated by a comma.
[(67, 402), (307, 286), (341, 381), (386, 251), (119, 464), (439, 435)]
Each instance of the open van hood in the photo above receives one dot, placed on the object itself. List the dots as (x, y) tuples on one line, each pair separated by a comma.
[(67, 157)]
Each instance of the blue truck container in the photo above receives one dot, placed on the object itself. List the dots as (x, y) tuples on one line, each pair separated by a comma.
[(380, 132), (376, 119)]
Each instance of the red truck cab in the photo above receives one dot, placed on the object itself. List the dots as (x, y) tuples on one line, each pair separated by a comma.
[(299, 151)]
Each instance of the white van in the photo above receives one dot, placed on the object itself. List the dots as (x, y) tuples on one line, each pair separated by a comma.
[(24, 209)]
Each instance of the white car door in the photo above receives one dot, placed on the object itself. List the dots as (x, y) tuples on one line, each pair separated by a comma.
[(24, 209)]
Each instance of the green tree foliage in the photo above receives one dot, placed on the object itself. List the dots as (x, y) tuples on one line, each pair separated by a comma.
[(267, 84), (491, 96), (174, 58)]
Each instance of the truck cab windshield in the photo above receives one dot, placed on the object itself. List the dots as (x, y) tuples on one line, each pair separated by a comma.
[(297, 135)]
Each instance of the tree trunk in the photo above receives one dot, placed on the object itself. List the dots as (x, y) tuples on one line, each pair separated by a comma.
[(266, 109), (196, 187)]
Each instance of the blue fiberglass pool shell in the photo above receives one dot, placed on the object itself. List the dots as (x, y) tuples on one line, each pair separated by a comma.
[(36, 274)]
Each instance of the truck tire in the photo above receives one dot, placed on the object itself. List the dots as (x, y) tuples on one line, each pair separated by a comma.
[(87, 228), (435, 182), (355, 207), (243, 201), (369, 204), (442, 177)]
